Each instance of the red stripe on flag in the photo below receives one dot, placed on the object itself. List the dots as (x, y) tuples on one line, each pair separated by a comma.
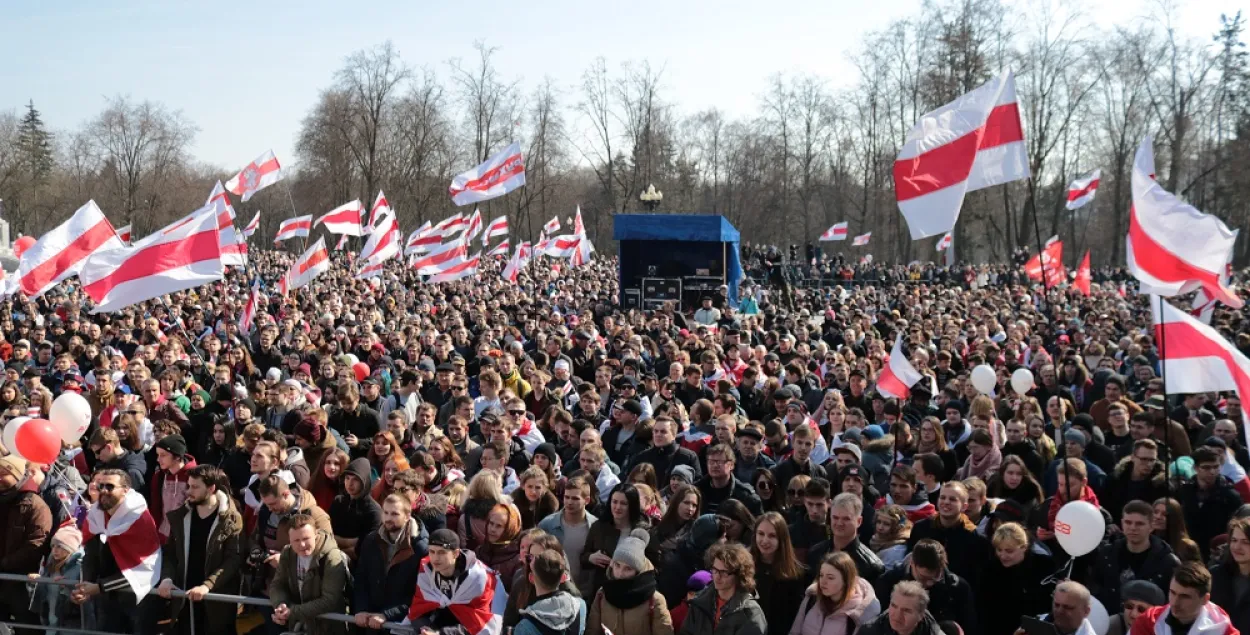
[(1183, 341), (508, 169), (83, 246), (1075, 194), (315, 259), (951, 162), (268, 166), (158, 259), (1158, 262), (889, 382)]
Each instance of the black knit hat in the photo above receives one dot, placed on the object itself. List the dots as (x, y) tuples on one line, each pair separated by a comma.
[(173, 444)]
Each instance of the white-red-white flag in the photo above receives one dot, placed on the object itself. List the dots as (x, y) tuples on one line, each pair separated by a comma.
[(421, 239), (501, 249), (184, 255), (344, 219), (456, 269), (124, 233), (579, 228), (438, 255), (520, 258), (61, 252), (552, 225), (898, 376), (256, 176), (561, 246), (1196, 358), (380, 205), (1203, 306), (581, 253), (383, 242), (496, 228), (293, 228), (473, 228), (248, 315), (972, 143), (1082, 190), (498, 175), (341, 244), (233, 254), (312, 263), (133, 541), (1172, 248), (1083, 277), (370, 270), (252, 226), (861, 240), (838, 231)]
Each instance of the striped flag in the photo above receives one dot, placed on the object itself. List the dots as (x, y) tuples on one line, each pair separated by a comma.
[(1083, 275), (62, 252), (293, 227), (500, 250), (380, 205), (972, 143), (231, 253), (248, 316), (552, 225), (496, 228), (256, 176), (341, 244), (420, 240), (252, 226), (945, 241), (124, 233), (438, 255), (898, 376), (133, 541), (861, 240), (312, 263), (1196, 357), (837, 232), (498, 175), (456, 269), (520, 258), (473, 228), (344, 219), (1081, 191), (383, 241)]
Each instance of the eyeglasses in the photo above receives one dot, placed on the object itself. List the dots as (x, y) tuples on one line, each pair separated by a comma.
[(725, 573)]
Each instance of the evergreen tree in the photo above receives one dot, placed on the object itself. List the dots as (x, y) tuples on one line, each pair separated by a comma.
[(34, 145)]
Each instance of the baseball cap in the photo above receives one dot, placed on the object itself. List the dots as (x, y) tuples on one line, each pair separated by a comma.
[(445, 538)]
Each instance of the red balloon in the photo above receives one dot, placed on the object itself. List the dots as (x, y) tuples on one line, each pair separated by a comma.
[(22, 244), (362, 370), (38, 441)]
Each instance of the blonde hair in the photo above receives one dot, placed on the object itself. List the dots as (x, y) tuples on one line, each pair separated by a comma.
[(1010, 534), (486, 486)]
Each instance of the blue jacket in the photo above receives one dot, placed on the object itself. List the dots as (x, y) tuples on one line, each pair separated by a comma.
[(554, 524)]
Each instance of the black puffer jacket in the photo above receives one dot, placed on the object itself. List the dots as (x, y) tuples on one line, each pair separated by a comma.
[(1104, 573)]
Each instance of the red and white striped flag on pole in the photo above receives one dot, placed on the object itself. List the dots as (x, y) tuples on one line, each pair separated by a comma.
[(252, 226), (836, 232), (182, 256), (579, 228), (293, 228), (498, 175), (473, 228), (233, 254), (581, 253), (1083, 277), (248, 316), (380, 205), (898, 376), (945, 241), (972, 143), (861, 240), (520, 258), (370, 270), (421, 239), (256, 176), (501, 249), (552, 225), (561, 246), (1172, 247), (383, 243), (439, 254), (133, 541), (344, 219), (451, 224), (1196, 358), (62, 252), (1082, 190), (312, 263), (456, 269), (497, 227), (124, 233)]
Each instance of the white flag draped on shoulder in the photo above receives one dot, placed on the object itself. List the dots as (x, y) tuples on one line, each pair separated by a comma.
[(1081, 191), (837, 232), (132, 539), (182, 256), (974, 142), (498, 175), (61, 253), (898, 376), (256, 176)]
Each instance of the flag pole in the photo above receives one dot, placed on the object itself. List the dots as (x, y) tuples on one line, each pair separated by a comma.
[(1163, 376), (1037, 235)]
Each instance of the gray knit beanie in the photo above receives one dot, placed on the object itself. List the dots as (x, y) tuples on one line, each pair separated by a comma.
[(632, 549)]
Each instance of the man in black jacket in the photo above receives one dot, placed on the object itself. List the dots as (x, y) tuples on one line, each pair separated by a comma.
[(1138, 477), (845, 516), (799, 461), (950, 596), (116, 608), (1209, 500), (1134, 555), (664, 453), (354, 421), (386, 568), (355, 513), (967, 550), (720, 484)]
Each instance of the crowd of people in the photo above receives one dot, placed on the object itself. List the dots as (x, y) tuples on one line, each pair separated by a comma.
[(485, 455)]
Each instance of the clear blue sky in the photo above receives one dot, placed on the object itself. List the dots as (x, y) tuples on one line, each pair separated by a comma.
[(247, 72)]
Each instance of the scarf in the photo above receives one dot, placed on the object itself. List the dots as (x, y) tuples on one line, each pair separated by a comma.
[(1057, 502), (631, 592), (927, 448), (984, 468), (877, 543)]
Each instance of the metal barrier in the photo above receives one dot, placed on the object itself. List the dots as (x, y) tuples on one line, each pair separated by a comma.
[(178, 593)]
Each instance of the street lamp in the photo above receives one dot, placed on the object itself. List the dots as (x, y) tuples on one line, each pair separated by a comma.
[(651, 198)]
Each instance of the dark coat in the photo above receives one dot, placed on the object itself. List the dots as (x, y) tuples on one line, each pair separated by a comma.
[(25, 523), (362, 422), (356, 517), (867, 564), (1104, 572), (383, 585), (1207, 516), (665, 459), (787, 469), (741, 615), (966, 550), (737, 490), (880, 625), (1121, 488), (778, 597), (1223, 592), (223, 559), (1007, 593), (950, 598)]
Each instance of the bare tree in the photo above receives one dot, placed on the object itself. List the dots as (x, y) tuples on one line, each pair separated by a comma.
[(370, 80)]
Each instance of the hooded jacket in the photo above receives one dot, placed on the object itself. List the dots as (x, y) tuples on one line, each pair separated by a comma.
[(356, 516), (557, 613), (879, 460), (860, 606), (169, 492), (323, 589)]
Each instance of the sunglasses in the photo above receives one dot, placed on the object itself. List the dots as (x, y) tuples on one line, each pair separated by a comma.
[(107, 487), (763, 485), (517, 413), (794, 492)]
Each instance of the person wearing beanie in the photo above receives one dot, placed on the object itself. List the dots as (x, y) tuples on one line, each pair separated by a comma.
[(51, 603), (694, 584), (1136, 597), (629, 600), (27, 522), (1095, 443), (313, 440), (169, 484), (1074, 443), (689, 557)]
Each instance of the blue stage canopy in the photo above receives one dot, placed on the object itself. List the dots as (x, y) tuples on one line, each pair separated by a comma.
[(686, 228)]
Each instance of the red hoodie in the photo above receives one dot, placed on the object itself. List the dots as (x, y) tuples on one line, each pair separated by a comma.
[(169, 492)]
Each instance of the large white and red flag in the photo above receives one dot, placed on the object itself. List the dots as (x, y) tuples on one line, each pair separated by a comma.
[(552, 225), (438, 255), (561, 246), (1196, 358), (838, 231), (344, 219), (312, 263), (233, 251), (181, 256), (421, 239), (293, 227), (383, 242), (380, 205), (1172, 248), (501, 249), (256, 176), (252, 226), (248, 315), (861, 240), (1082, 190), (1083, 277), (456, 269), (520, 258), (133, 541), (61, 252), (945, 241), (473, 228), (125, 233), (498, 175), (898, 376), (972, 143), (497, 227), (581, 253)]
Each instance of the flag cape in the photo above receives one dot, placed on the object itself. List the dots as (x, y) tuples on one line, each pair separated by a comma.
[(131, 537)]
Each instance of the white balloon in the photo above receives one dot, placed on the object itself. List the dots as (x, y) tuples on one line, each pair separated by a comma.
[(9, 436), (355, 360), (1079, 528), (984, 379), (71, 414), (1022, 381), (1098, 618)]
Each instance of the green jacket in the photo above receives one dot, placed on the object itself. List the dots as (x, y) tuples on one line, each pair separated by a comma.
[(324, 589)]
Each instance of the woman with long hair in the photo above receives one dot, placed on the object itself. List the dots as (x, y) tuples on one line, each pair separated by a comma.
[(931, 439), (1231, 574), (1044, 443), (485, 492), (891, 529), (1168, 523), (501, 549), (644, 473), (838, 602), (624, 515), (652, 503), (385, 485), (534, 498), (220, 441), (628, 601), (766, 488), (727, 606), (384, 448), (779, 576), (684, 506), (327, 478), (1014, 482), (740, 521), (444, 452)]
